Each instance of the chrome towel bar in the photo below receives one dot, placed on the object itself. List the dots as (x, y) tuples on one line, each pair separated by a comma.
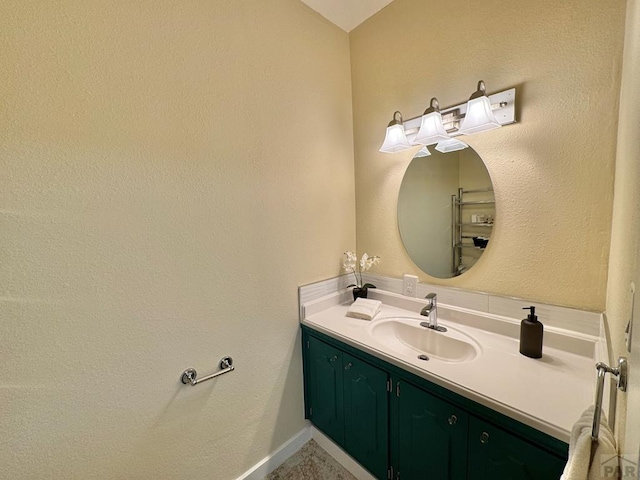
[(603, 369), (190, 376)]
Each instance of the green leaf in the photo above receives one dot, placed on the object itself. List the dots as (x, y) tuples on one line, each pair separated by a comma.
[(368, 285)]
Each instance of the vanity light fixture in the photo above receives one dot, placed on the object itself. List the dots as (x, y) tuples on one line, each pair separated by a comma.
[(423, 152), (396, 139), (450, 145), (479, 116), (481, 113), (431, 126)]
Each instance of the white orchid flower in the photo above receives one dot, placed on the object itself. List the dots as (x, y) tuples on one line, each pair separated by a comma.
[(349, 263), (365, 263)]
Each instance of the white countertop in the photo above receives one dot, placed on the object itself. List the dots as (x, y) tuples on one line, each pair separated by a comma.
[(548, 394)]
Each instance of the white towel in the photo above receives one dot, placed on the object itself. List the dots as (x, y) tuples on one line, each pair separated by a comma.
[(578, 467), (364, 308)]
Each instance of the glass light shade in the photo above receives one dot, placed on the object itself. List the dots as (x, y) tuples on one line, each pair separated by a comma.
[(395, 140), (450, 145), (431, 130), (423, 152), (479, 117)]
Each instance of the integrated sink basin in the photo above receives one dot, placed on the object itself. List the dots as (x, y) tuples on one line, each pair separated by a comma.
[(405, 335)]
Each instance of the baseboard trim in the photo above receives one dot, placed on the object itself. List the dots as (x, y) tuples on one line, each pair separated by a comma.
[(340, 456), (269, 463)]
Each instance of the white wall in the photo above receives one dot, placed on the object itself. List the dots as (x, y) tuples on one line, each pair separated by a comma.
[(170, 172)]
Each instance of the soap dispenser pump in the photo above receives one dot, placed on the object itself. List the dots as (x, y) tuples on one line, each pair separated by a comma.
[(531, 331)]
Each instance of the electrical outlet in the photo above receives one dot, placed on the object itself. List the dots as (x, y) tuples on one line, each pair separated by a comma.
[(410, 285)]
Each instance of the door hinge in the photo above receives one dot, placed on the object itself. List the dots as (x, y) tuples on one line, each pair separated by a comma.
[(390, 473), (389, 382), (307, 343), (397, 389), (311, 411)]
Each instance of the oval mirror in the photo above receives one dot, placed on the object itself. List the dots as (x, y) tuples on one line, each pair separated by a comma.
[(446, 210)]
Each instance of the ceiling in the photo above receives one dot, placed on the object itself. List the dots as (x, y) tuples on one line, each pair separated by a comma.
[(347, 14)]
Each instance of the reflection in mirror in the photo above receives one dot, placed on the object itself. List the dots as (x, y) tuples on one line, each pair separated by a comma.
[(446, 211)]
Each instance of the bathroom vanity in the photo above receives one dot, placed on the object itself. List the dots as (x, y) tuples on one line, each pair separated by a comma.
[(476, 409)]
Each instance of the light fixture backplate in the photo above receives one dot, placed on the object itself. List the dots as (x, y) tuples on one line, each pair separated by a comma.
[(503, 105)]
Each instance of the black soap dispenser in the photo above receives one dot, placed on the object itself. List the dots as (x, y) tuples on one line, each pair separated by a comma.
[(531, 331)]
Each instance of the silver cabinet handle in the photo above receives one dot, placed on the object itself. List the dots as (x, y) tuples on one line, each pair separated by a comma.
[(484, 438), (452, 420), (334, 358), (348, 366)]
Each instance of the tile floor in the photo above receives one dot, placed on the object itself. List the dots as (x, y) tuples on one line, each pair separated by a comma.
[(310, 463)]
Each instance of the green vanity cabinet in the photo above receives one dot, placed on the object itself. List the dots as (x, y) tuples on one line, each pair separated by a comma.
[(366, 415), (495, 454), (431, 441), (348, 400), (401, 426), (325, 400)]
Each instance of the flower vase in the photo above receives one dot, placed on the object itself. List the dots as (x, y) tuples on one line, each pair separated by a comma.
[(359, 292)]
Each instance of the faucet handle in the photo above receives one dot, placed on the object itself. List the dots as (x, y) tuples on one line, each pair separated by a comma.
[(432, 297)]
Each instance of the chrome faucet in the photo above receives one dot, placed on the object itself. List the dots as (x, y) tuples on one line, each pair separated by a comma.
[(431, 312)]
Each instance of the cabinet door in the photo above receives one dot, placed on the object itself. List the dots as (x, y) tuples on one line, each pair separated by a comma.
[(325, 393), (495, 454), (431, 436), (366, 415)]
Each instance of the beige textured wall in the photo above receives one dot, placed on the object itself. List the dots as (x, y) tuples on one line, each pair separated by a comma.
[(170, 172), (552, 172), (625, 232)]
